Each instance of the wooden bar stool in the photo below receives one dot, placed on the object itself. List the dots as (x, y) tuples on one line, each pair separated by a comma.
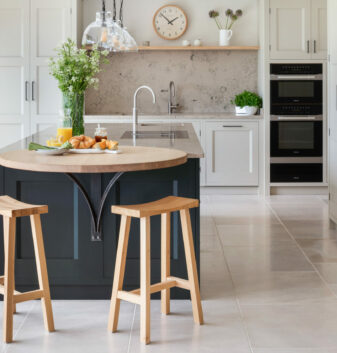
[(142, 296), (11, 209)]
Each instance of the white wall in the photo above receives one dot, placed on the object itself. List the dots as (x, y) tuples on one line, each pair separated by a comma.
[(138, 15)]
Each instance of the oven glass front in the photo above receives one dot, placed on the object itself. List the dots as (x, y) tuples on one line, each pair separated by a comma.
[(296, 91), (296, 138)]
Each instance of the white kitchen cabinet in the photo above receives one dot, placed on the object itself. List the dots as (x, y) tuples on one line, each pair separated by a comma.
[(332, 113), (51, 24), (332, 29), (29, 32), (319, 29), (14, 70), (298, 29), (232, 153)]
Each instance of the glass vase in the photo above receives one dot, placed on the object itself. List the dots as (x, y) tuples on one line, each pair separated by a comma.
[(73, 104)]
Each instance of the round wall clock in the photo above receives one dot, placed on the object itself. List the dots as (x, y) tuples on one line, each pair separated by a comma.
[(170, 22)]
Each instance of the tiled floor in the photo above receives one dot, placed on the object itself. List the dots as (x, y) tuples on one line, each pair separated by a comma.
[(269, 285)]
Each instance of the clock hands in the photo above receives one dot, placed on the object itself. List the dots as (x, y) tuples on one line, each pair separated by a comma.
[(171, 22), (168, 21)]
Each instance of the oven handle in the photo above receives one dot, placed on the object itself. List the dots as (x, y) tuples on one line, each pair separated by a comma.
[(296, 118), (297, 77)]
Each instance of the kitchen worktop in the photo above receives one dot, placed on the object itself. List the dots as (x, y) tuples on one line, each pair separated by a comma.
[(190, 145), (184, 116)]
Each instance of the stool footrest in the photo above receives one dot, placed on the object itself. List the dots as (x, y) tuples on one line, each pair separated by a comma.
[(128, 296), (32, 295), (134, 295)]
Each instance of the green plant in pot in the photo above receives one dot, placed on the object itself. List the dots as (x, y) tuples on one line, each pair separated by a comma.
[(75, 70), (247, 103)]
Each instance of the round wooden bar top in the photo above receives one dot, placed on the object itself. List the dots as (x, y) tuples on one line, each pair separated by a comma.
[(130, 159)]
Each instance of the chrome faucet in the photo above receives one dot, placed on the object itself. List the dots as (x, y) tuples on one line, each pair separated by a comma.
[(172, 92), (135, 112)]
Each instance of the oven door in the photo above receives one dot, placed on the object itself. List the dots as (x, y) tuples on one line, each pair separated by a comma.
[(296, 138), (296, 91)]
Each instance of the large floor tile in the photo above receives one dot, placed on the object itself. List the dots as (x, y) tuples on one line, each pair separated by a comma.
[(319, 250), (310, 229), (253, 235), (281, 288), (223, 331), (291, 326), (81, 327), (266, 259), (328, 271), (292, 350)]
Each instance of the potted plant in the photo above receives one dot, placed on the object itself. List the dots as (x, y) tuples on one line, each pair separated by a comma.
[(226, 32), (75, 70), (247, 103)]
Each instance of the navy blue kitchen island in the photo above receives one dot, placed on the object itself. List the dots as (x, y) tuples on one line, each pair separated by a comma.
[(81, 266)]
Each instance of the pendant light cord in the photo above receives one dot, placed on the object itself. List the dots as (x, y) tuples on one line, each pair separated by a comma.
[(121, 13), (103, 9), (114, 10)]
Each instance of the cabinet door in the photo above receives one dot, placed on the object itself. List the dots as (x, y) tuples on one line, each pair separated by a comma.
[(14, 70), (319, 29), (290, 29), (232, 154), (332, 29), (50, 26)]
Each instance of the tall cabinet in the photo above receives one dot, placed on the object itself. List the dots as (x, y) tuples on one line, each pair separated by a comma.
[(332, 109), (29, 32), (298, 29)]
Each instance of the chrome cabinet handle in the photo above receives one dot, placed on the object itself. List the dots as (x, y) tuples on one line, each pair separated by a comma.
[(232, 126), (26, 90), (33, 91), (308, 46), (315, 47)]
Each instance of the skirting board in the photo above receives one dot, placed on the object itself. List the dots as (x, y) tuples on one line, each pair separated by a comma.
[(222, 190), (303, 190)]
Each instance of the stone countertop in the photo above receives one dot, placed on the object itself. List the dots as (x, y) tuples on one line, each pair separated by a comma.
[(190, 145), (184, 116)]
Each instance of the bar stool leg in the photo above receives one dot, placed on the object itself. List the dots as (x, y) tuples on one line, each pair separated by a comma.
[(191, 266), (9, 242), (165, 260), (41, 266), (119, 272), (5, 245), (145, 279)]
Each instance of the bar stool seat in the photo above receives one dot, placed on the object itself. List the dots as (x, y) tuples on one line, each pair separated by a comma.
[(165, 205), (11, 209), (142, 296)]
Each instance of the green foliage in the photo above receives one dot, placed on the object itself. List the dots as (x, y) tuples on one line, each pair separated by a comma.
[(247, 98), (75, 69)]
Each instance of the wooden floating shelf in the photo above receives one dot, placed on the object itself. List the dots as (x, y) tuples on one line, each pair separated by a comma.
[(201, 48)]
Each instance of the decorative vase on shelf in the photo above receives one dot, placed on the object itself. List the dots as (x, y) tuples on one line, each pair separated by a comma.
[(74, 103), (225, 36)]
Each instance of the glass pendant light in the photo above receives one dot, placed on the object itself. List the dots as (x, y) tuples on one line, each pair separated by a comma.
[(108, 34)]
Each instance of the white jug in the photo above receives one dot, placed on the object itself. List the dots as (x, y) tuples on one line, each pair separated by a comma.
[(225, 36)]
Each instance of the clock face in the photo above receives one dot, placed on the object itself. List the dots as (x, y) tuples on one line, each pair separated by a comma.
[(170, 22)]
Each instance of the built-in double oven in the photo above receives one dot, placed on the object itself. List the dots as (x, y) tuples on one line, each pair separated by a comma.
[(296, 131)]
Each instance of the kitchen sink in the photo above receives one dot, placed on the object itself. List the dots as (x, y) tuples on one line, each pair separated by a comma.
[(179, 134)]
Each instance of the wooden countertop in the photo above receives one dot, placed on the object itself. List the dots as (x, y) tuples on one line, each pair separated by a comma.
[(131, 158)]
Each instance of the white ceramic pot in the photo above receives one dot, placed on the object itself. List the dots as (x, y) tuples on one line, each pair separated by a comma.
[(245, 110), (225, 36)]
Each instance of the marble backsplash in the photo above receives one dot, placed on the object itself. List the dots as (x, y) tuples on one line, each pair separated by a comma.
[(205, 81)]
